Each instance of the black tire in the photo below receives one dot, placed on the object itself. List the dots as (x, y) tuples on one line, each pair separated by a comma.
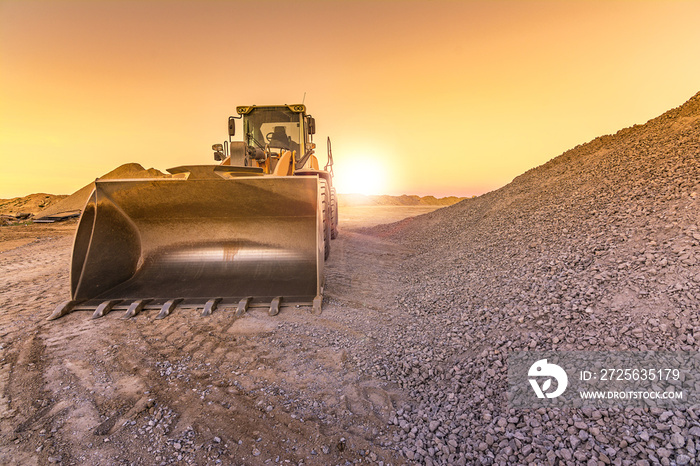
[(325, 208), (334, 214)]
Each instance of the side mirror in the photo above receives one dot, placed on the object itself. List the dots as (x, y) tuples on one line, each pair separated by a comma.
[(231, 126), (218, 151), (311, 123)]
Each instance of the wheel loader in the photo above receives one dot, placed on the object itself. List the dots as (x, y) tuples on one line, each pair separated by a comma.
[(252, 231)]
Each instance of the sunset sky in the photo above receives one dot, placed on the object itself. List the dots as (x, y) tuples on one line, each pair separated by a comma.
[(422, 97)]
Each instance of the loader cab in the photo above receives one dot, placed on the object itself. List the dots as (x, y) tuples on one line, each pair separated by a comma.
[(276, 129)]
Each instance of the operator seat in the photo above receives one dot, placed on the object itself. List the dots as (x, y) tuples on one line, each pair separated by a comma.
[(279, 138)]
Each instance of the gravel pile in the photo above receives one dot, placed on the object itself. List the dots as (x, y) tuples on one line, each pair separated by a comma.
[(597, 249)]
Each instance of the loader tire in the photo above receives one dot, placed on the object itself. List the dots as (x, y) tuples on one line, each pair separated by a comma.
[(325, 199), (334, 214)]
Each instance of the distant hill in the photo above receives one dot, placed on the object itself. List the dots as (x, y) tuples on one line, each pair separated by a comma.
[(404, 200), (77, 200), (30, 204)]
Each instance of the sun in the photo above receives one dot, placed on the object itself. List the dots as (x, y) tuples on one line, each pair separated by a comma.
[(359, 175)]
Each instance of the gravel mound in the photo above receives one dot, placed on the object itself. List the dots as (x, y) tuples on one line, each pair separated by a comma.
[(598, 250)]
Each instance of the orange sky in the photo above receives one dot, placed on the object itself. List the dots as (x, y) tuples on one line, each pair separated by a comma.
[(430, 97)]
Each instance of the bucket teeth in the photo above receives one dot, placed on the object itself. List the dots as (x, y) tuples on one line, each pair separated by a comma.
[(135, 308), (62, 309), (243, 306), (275, 306), (168, 307), (104, 308), (210, 306)]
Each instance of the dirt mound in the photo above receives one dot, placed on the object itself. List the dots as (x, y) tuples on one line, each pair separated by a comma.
[(596, 250), (31, 204), (77, 200), (404, 200)]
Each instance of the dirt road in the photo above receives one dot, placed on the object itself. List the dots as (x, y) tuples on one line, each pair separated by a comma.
[(191, 389)]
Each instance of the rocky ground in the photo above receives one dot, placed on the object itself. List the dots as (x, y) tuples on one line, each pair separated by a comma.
[(599, 249)]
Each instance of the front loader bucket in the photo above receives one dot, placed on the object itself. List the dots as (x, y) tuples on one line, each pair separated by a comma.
[(198, 243)]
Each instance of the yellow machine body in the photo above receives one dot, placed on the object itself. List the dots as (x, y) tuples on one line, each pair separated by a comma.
[(252, 231)]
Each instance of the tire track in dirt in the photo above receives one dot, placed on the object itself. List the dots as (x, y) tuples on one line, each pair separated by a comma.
[(232, 364), (5, 410), (363, 270), (31, 279)]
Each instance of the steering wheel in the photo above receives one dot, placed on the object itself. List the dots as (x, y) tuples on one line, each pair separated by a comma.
[(268, 136)]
